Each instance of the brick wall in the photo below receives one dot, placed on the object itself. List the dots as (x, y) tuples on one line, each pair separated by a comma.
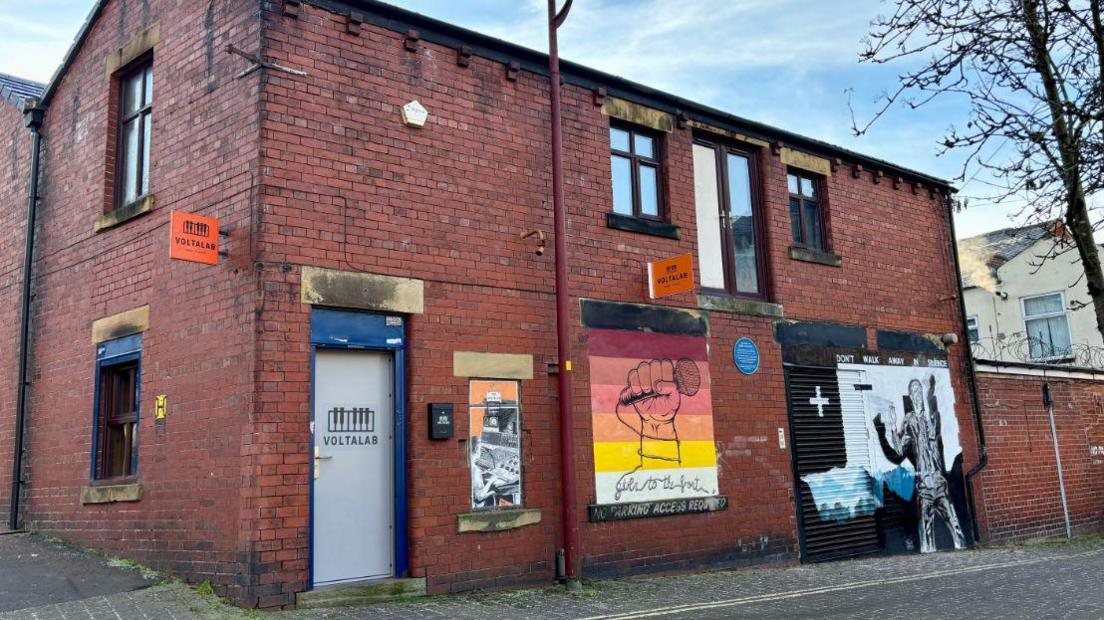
[(348, 186), (319, 170), (198, 349), (1020, 485), (15, 160)]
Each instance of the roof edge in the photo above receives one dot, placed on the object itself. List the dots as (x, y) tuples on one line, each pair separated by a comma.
[(1006, 229), (71, 53), (17, 99), (400, 20), (450, 35)]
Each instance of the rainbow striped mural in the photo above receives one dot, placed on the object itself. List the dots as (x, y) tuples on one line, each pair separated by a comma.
[(652, 416)]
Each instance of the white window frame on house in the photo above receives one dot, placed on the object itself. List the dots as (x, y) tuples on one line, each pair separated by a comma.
[(973, 328), (1046, 315)]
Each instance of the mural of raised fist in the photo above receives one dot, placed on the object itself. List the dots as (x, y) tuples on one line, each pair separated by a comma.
[(654, 391)]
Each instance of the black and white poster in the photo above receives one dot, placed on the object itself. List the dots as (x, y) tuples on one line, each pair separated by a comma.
[(495, 442)]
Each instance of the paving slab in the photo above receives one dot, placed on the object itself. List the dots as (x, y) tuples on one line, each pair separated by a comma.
[(35, 571)]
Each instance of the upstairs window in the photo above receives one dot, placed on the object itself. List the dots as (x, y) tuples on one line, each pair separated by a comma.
[(1047, 326), (635, 170), (133, 150), (727, 203), (806, 216)]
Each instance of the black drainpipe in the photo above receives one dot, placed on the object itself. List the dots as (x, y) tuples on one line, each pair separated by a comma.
[(32, 118), (971, 380)]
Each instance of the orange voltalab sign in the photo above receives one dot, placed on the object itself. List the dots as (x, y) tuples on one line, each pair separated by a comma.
[(670, 276), (194, 238)]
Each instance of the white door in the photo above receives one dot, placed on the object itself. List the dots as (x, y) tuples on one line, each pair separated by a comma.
[(354, 481)]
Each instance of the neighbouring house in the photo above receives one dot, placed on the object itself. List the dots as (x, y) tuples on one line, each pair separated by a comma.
[(1038, 364), (1026, 297), (16, 91), (288, 327)]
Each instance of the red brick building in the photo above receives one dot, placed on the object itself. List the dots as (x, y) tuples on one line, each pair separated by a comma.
[(265, 423)]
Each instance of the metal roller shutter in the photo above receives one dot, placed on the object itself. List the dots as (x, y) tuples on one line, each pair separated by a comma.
[(818, 419)]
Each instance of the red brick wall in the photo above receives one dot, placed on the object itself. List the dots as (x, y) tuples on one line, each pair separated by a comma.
[(1020, 485), (199, 347), (348, 186), (340, 182), (15, 161)]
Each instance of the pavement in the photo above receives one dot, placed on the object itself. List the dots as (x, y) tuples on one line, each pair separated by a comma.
[(35, 571), (1051, 580)]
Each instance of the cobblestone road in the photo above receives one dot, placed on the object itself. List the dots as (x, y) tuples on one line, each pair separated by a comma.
[(1048, 581)]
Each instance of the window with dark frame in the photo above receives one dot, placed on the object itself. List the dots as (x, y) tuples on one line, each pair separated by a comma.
[(135, 133), (117, 420), (729, 213), (806, 211), (635, 169)]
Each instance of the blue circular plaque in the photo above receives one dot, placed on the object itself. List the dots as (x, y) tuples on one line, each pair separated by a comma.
[(746, 356)]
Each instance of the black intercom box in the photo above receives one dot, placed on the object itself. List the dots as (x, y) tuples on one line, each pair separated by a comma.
[(440, 420)]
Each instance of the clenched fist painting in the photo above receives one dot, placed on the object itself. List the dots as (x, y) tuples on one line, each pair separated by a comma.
[(654, 391), (652, 416)]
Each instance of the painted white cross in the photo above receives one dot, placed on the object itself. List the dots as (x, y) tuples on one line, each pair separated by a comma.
[(819, 401)]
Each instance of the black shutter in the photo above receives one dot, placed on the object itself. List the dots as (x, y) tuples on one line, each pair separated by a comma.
[(818, 446)]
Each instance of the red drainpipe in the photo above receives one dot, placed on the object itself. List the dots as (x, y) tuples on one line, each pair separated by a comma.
[(563, 308)]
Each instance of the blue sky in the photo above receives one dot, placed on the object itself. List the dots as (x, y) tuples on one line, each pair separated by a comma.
[(788, 63)]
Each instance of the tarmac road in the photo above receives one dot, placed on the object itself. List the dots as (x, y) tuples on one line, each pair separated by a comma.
[(1040, 581), (1068, 586)]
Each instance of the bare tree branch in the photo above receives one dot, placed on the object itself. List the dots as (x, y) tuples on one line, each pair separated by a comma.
[(1033, 74)]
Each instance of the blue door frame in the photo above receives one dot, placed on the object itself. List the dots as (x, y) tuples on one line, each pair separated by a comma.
[(364, 331)]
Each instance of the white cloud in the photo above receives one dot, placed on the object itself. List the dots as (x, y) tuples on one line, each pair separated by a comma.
[(33, 42), (782, 62), (661, 42)]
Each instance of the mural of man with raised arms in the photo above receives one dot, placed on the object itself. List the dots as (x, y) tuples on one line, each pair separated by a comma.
[(918, 438)]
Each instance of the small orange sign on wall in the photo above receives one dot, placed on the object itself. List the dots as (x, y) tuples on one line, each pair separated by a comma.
[(670, 276), (194, 238)]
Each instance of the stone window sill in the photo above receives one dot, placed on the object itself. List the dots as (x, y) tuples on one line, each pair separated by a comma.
[(819, 257), (111, 493), (497, 520), (114, 218), (740, 305), (642, 226)]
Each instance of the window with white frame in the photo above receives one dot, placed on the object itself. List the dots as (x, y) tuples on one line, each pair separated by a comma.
[(973, 332), (1047, 326)]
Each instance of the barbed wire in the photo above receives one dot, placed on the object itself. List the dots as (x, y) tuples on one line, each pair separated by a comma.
[(1035, 351)]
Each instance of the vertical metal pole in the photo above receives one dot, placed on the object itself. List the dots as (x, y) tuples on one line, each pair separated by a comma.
[(971, 380), (1049, 400), (563, 308), (32, 118)]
